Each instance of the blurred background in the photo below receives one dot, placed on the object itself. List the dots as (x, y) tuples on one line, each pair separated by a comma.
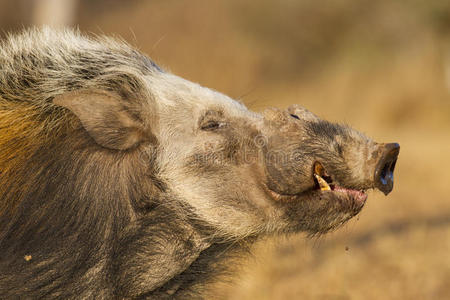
[(382, 66)]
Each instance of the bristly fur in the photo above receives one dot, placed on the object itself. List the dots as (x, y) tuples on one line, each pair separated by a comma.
[(60, 227), (120, 180)]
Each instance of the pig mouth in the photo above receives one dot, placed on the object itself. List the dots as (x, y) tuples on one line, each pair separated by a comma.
[(324, 182), (324, 185)]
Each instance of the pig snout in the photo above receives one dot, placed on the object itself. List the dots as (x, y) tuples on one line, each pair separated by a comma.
[(384, 170)]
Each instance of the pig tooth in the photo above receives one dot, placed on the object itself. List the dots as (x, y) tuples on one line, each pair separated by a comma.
[(322, 183)]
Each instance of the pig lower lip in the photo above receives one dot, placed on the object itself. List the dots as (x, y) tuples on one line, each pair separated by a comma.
[(359, 196)]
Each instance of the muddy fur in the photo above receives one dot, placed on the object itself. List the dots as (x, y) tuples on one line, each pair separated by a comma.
[(120, 180)]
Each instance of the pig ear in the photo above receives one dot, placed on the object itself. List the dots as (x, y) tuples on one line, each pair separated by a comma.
[(303, 113), (104, 117)]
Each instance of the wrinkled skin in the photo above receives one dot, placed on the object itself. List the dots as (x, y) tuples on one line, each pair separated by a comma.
[(120, 180)]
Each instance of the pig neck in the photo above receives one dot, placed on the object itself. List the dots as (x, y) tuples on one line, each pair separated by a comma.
[(176, 253)]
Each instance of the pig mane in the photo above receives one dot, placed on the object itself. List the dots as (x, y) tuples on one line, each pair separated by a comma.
[(40, 64), (62, 197)]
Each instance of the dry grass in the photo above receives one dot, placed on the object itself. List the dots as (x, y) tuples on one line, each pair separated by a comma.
[(383, 67)]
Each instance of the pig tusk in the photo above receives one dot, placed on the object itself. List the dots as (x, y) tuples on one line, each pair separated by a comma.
[(322, 183)]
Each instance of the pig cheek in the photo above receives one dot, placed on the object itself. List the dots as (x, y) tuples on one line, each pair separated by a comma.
[(288, 168), (291, 176)]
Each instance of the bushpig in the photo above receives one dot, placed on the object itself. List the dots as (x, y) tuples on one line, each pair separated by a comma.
[(121, 180)]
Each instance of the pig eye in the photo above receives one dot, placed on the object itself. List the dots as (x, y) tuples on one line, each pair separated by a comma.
[(295, 116), (212, 125)]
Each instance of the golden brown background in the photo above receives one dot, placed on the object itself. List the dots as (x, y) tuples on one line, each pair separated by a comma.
[(381, 66)]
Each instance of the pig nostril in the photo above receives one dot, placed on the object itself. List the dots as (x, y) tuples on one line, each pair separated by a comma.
[(384, 174), (387, 173)]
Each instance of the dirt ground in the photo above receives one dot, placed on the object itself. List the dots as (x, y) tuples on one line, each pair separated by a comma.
[(382, 67)]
